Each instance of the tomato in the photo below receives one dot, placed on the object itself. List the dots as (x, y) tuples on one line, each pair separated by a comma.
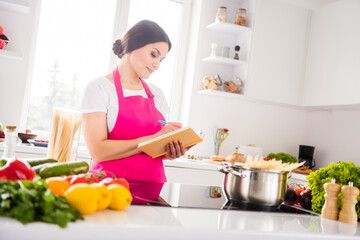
[(67, 178), (120, 181), (299, 190), (83, 178)]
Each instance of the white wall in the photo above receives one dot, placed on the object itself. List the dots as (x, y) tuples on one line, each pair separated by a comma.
[(335, 135)]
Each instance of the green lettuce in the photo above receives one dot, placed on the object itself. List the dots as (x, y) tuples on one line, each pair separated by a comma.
[(343, 173), (284, 157)]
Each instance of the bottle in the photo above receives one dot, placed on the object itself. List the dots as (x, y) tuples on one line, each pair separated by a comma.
[(330, 209), (237, 49), (348, 213), (240, 17), (11, 139), (221, 14)]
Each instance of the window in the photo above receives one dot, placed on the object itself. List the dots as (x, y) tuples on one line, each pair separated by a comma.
[(168, 15), (74, 46)]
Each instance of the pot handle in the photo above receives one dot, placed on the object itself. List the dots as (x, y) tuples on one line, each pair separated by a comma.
[(224, 169), (238, 174)]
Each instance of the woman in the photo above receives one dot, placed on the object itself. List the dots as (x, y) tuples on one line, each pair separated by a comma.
[(120, 110)]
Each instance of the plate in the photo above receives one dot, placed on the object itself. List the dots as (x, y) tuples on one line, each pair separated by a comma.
[(39, 144)]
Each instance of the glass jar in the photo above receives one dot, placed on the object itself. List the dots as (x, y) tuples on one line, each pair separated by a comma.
[(240, 17), (11, 140), (221, 14)]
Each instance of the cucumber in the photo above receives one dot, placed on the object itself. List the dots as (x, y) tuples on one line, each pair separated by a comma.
[(36, 161), (37, 168), (66, 168)]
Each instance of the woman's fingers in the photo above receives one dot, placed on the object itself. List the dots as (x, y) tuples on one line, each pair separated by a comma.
[(175, 149)]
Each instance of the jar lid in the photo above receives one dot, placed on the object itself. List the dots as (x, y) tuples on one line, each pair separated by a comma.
[(222, 7), (242, 9), (10, 128)]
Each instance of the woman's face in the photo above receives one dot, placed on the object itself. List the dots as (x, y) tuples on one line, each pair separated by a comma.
[(146, 60)]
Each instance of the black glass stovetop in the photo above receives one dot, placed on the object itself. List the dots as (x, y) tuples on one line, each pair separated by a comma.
[(197, 196)]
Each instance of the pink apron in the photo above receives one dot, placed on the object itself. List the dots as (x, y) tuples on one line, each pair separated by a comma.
[(137, 117)]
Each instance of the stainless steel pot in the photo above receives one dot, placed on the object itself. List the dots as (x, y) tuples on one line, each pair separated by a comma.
[(254, 186)]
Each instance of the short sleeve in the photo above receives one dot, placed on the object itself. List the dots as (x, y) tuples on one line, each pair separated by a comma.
[(159, 99), (94, 98)]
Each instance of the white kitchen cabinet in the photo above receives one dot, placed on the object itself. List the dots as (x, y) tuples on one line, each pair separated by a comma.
[(190, 175), (333, 61), (278, 54)]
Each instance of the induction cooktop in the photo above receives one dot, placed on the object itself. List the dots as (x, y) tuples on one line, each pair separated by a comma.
[(197, 196)]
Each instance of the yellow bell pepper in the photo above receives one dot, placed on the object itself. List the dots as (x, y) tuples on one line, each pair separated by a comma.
[(83, 197), (105, 195), (120, 197)]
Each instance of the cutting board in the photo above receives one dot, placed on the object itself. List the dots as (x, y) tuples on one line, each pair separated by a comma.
[(303, 170), (213, 162)]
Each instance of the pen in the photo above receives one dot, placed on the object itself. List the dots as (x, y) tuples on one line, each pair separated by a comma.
[(162, 122)]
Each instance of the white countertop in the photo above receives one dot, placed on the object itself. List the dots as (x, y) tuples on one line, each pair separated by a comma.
[(150, 222), (179, 163)]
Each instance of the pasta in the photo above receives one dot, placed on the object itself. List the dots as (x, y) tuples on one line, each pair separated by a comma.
[(64, 128), (270, 164)]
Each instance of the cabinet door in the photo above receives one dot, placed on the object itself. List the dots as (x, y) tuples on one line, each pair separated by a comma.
[(277, 62), (333, 71)]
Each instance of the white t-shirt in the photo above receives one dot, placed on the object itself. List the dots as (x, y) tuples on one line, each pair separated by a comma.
[(100, 96)]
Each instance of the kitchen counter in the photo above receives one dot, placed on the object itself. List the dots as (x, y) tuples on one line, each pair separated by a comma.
[(153, 222), (175, 169)]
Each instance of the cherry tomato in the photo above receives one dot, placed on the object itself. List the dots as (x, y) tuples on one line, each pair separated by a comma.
[(120, 181), (298, 191)]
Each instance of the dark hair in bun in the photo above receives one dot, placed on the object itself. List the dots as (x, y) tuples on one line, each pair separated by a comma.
[(141, 34)]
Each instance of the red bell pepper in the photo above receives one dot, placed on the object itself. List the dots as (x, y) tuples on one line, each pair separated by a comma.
[(17, 170)]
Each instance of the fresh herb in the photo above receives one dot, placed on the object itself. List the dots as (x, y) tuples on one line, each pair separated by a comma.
[(284, 157), (343, 173), (30, 201)]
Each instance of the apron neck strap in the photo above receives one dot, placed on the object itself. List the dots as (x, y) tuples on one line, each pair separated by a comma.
[(118, 86), (147, 90), (117, 82)]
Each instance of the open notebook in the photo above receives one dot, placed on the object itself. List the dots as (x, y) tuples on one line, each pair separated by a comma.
[(157, 146)]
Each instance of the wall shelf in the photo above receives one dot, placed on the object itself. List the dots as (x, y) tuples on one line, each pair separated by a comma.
[(228, 28), (19, 6), (6, 54), (242, 97), (223, 60)]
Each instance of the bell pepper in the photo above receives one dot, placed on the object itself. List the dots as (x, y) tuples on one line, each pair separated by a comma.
[(17, 170)]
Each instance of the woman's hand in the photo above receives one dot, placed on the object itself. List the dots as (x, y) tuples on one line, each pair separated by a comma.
[(175, 149), (169, 127)]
